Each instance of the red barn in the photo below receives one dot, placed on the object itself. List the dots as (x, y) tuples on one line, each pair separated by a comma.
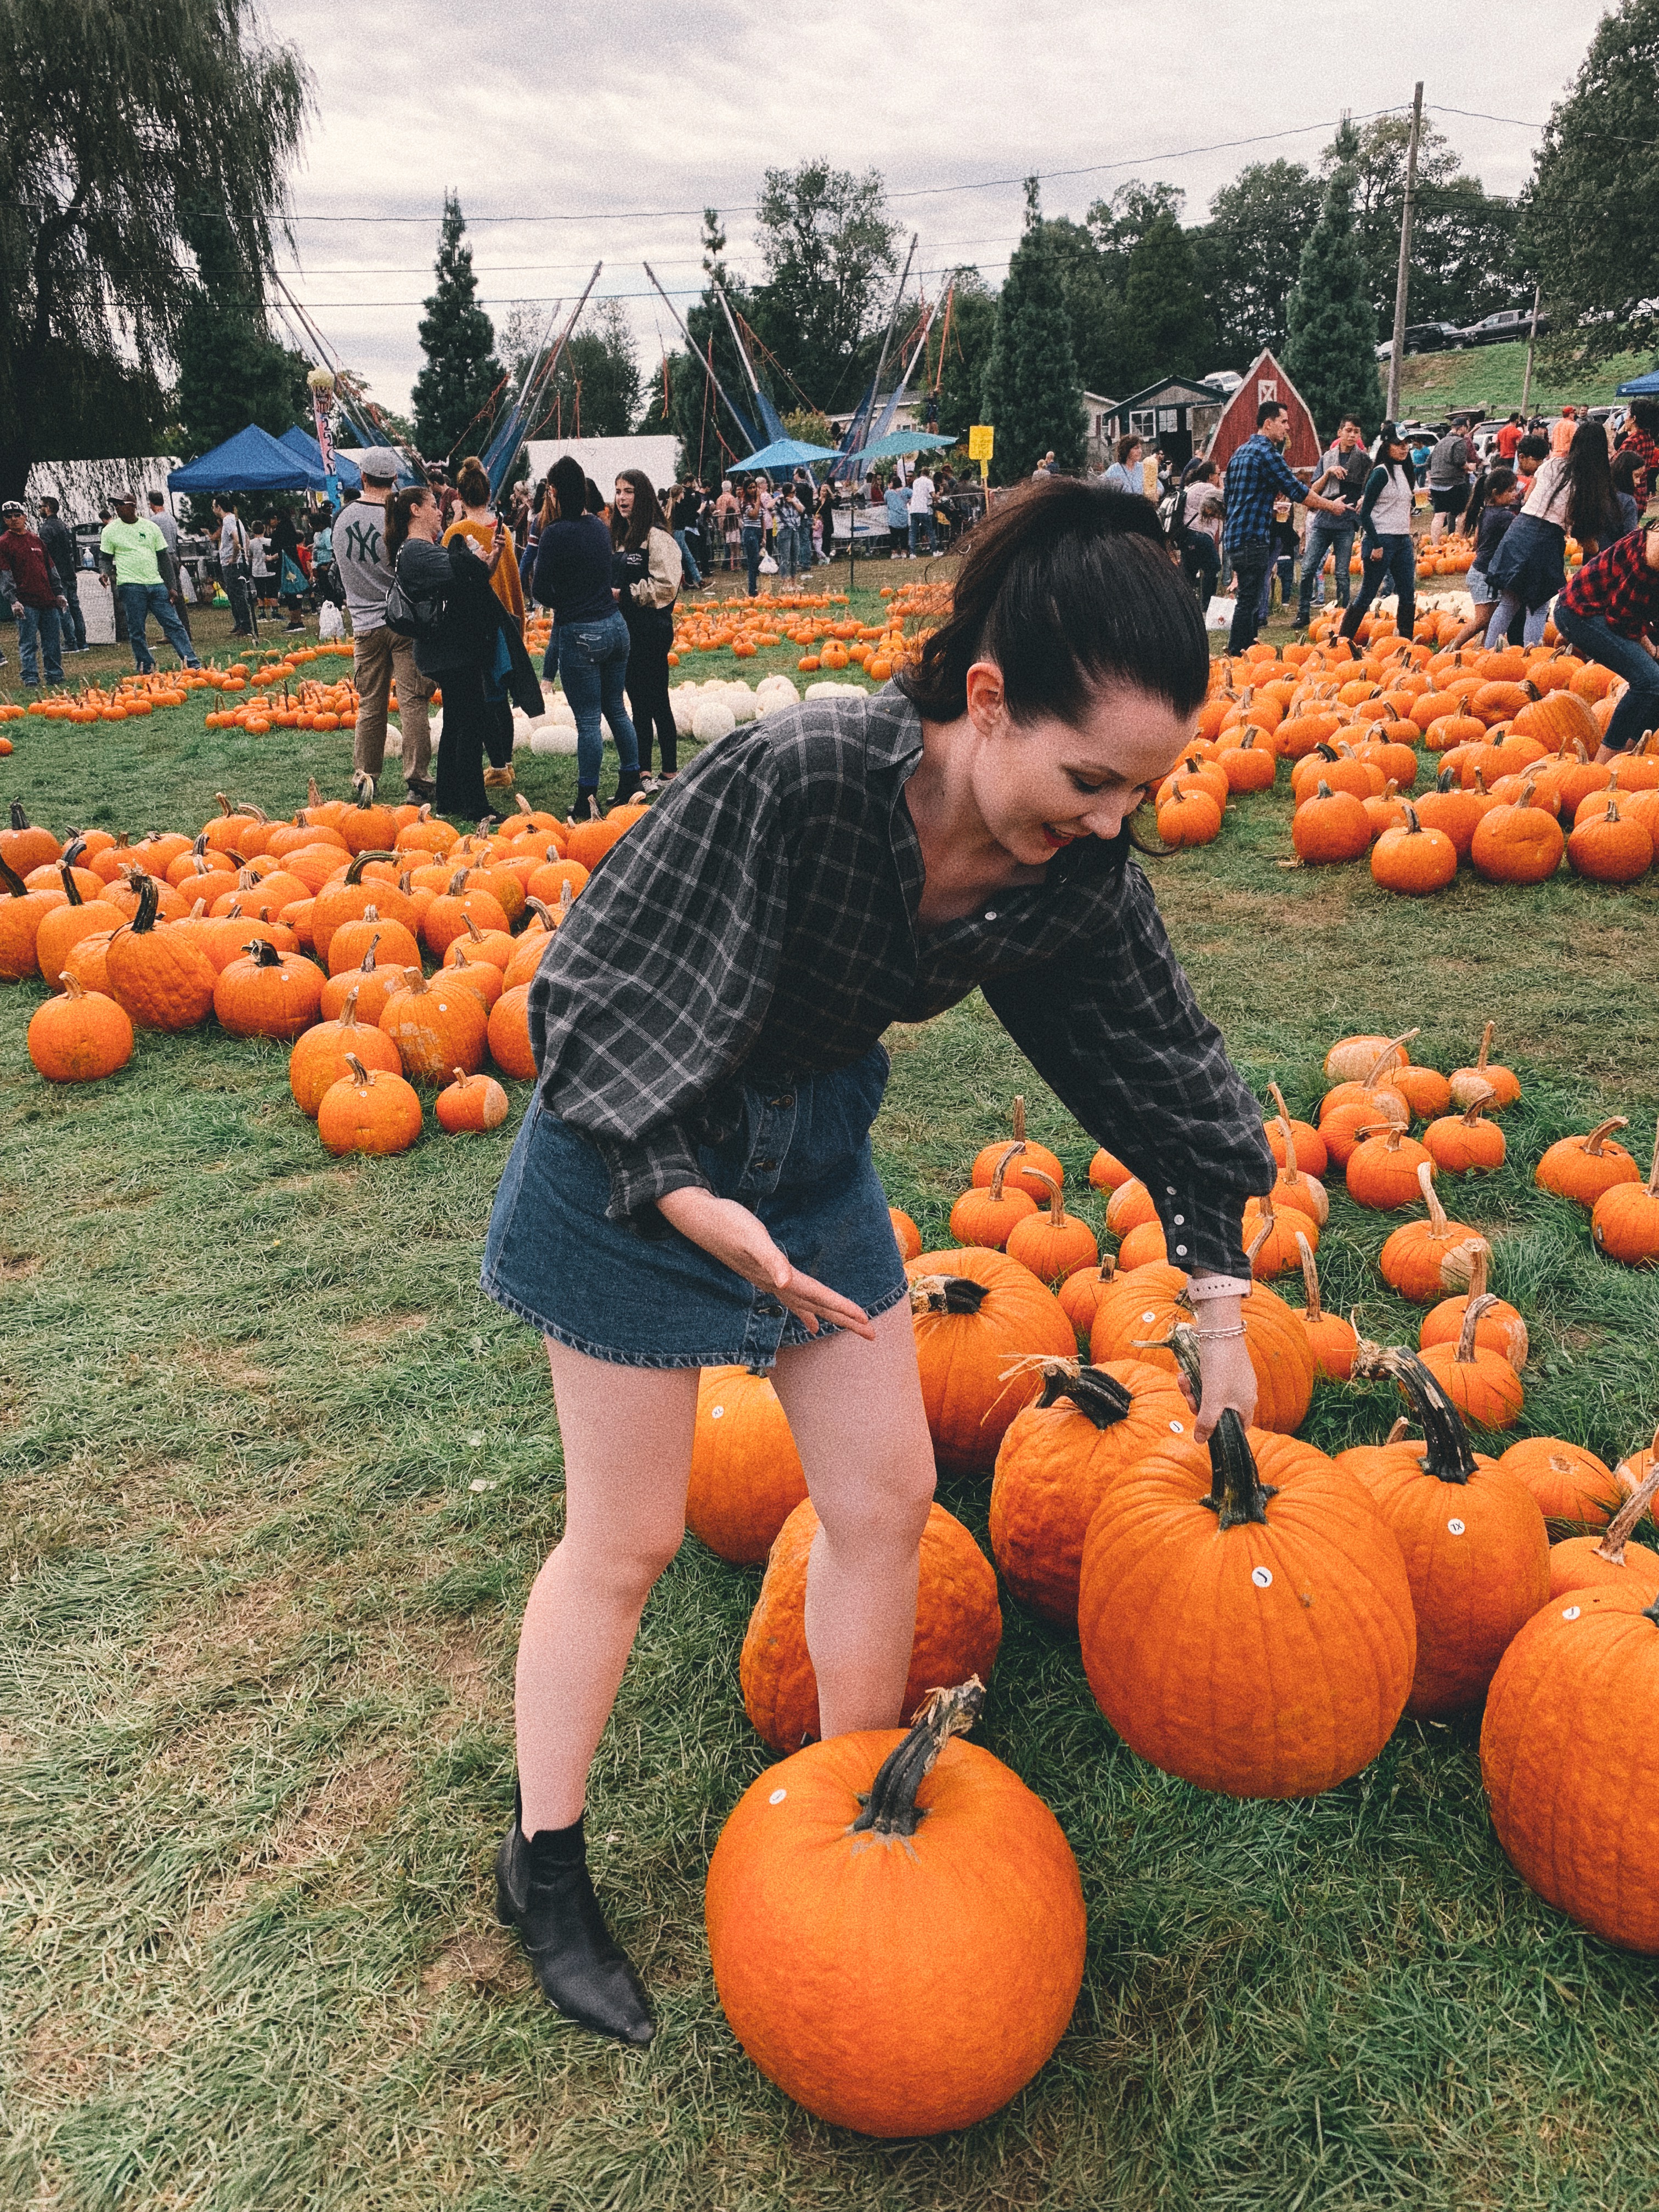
[(1265, 379)]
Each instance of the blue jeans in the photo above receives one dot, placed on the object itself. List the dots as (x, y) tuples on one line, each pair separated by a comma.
[(1326, 534), (592, 662), (919, 523), (751, 557), (692, 575), (40, 622), (139, 602), (1396, 559), (1253, 565), (1637, 712), (1509, 604)]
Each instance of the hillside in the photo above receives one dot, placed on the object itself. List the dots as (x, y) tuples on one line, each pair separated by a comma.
[(1490, 377)]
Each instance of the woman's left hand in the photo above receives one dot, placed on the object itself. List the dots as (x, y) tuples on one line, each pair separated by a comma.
[(1224, 1365)]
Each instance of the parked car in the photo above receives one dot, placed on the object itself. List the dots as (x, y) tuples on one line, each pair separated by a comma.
[(1223, 380), (1424, 337), (1508, 323)]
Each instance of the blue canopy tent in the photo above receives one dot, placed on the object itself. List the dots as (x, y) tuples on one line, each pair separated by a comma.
[(1640, 387), (782, 454), (897, 443), (302, 442), (250, 461)]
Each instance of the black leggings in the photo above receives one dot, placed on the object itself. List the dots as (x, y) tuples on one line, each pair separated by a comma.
[(468, 727), (648, 692)]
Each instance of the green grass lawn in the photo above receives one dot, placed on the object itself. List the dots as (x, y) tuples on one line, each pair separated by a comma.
[(277, 1478), (1491, 377)]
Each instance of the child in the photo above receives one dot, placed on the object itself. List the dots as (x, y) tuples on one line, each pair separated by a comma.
[(1491, 510)]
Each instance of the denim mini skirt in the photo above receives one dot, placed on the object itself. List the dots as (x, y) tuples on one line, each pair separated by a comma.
[(799, 1158)]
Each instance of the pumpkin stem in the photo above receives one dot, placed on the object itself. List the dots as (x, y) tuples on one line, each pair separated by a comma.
[(1486, 1035), (1238, 1493), (263, 953), (1056, 1210), (1413, 826), (225, 806), (360, 1074), (1467, 1263), (1653, 1173), (1598, 1136), (71, 889), (1447, 1453), (1431, 1196), (1612, 1545), (144, 919), (1386, 1056), (1278, 1096), (348, 1009), (472, 929), (542, 911), (1101, 1396), (1001, 1169), (947, 1294), (1473, 1114), (567, 895), (1019, 1121), (1310, 1278), (9, 877), (1265, 1228), (1472, 1314), (891, 1809), (354, 874), (524, 804)]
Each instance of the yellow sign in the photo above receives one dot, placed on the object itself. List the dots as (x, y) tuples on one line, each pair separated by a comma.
[(982, 440)]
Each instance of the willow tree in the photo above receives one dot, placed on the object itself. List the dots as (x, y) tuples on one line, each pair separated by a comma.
[(113, 113)]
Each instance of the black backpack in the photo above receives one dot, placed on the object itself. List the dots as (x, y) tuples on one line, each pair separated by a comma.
[(416, 618)]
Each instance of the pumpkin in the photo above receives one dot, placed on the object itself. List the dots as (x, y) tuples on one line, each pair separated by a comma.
[(906, 1235), (225, 833), (79, 1037), (268, 993), (1574, 1488), (1465, 1143), (161, 976), (87, 960), (1053, 1244), (1499, 1327), (843, 1953), (1188, 816), (62, 927), (1470, 1083), (23, 846), (1107, 1172), (1625, 1220), (746, 1474), (1080, 1294), (368, 826), (1271, 1237), (345, 896), (1036, 1161), (482, 977), (373, 984), (975, 1313), (1287, 1136), (589, 842), (1141, 1246), (1294, 1185), (368, 1110), (22, 913), (1414, 857), (1520, 843), (1089, 1426), (1572, 1783), (1129, 1206), (1381, 1169), (508, 1033), (1291, 1564), (436, 1026), (1330, 1339), (986, 1217), (1424, 1090), (1453, 812), (471, 1102), (1582, 1168), (1472, 1538), (1482, 1384), (1377, 1086), (1352, 1059), (1330, 826), (958, 1626), (395, 943), (321, 1055), (1136, 1318), (1611, 848), (462, 898), (1426, 1259)]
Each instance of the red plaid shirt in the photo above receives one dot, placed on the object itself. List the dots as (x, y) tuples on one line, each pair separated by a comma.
[(1619, 586), (1635, 440)]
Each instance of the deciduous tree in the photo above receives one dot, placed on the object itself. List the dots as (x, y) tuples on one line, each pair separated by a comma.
[(830, 253), (1249, 254), (231, 371)]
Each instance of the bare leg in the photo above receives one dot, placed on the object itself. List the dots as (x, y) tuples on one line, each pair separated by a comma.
[(1476, 626), (855, 1409), (626, 1436)]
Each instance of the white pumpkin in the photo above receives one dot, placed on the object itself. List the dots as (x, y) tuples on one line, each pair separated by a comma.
[(713, 720)]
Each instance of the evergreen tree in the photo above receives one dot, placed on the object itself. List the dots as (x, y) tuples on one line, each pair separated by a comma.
[(231, 371), (705, 432), (458, 339), (1331, 323), (1166, 325), (1033, 393)]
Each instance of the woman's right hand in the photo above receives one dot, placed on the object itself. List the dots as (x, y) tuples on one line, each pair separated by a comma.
[(1375, 553), (738, 1239)]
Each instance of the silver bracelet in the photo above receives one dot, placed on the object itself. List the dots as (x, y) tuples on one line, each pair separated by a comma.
[(1217, 1335)]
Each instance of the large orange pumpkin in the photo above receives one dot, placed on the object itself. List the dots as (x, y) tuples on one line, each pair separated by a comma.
[(1582, 1168), (746, 1474), (1136, 1319), (1429, 1260), (958, 1626), (1280, 1555), (1572, 1784), (1625, 1220), (1058, 1458), (989, 1217), (1481, 1383), (1573, 1487), (842, 1952), (321, 1056), (161, 976), (976, 1313), (437, 1027), (80, 1036), (1610, 1561), (268, 993), (1035, 1155), (1473, 1540)]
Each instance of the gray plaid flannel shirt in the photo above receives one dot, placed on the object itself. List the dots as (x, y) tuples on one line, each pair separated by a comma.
[(761, 924)]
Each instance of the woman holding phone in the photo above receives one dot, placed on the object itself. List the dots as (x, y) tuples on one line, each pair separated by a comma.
[(693, 1184)]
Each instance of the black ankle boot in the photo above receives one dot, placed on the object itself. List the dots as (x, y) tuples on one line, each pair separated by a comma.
[(629, 784), (587, 808), (543, 1889)]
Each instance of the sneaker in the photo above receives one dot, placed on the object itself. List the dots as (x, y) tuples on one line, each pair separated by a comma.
[(649, 788)]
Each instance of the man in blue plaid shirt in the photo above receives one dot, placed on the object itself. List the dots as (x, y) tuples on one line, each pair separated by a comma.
[(1256, 477)]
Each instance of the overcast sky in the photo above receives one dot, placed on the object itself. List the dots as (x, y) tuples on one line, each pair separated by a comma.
[(598, 132)]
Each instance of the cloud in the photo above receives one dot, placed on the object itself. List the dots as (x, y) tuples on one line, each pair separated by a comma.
[(583, 133)]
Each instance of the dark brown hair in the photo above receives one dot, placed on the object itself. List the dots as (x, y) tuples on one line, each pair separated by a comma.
[(1066, 586), (648, 513), (568, 484), (399, 506), (472, 481)]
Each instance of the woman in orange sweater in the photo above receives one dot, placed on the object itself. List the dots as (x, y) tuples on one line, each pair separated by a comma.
[(477, 520)]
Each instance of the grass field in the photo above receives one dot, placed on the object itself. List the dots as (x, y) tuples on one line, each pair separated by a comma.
[(277, 1478), (1492, 377)]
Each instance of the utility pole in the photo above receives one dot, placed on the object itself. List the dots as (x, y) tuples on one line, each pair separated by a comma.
[(1531, 340), (1400, 282)]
